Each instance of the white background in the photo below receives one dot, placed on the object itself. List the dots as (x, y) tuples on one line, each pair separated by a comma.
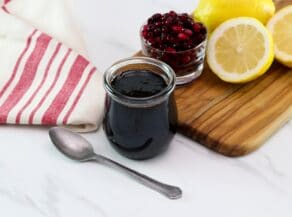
[(36, 180)]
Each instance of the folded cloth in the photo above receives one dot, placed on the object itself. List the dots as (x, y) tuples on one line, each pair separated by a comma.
[(42, 81), (53, 17)]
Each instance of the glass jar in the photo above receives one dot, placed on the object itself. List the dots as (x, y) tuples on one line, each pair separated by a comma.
[(140, 127)]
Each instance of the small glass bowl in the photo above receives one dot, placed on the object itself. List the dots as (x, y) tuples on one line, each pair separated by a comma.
[(187, 64)]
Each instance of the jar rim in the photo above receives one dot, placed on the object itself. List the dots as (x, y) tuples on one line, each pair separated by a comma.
[(140, 101)]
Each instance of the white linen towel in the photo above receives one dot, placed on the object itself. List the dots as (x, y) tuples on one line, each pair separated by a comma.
[(43, 80)]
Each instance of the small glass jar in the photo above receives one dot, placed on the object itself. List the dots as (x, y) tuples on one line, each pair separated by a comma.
[(187, 64), (140, 127)]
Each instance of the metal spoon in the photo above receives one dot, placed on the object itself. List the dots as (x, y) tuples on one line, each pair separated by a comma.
[(78, 148)]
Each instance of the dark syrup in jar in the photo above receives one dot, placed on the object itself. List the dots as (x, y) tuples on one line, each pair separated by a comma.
[(140, 132)]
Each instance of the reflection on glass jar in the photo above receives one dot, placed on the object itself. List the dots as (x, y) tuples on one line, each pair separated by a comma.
[(140, 117)]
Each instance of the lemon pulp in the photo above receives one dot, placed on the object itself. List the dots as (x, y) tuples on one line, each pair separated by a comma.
[(240, 50), (281, 28)]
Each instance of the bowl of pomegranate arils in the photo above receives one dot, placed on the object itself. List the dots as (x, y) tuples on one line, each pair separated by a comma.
[(177, 40)]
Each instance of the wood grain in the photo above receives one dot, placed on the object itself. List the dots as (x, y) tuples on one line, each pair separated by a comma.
[(235, 119)]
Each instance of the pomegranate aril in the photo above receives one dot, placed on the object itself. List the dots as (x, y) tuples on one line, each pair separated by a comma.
[(184, 16), (164, 29), (170, 38), (186, 59), (157, 32), (144, 34), (168, 21), (177, 28), (182, 36), (151, 27), (157, 40), (145, 28), (158, 24), (156, 16), (172, 13), (149, 35), (151, 40), (196, 27), (170, 49), (188, 32)]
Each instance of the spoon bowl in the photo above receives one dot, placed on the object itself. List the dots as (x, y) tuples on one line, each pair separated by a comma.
[(71, 144)]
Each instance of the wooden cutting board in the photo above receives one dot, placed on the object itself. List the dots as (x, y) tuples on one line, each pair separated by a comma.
[(235, 119)]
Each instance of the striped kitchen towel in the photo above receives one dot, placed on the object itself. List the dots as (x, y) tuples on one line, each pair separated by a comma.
[(43, 80)]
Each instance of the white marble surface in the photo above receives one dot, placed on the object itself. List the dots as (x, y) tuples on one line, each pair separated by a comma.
[(36, 180)]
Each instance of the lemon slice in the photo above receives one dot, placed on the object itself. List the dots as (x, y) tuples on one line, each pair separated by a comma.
[(281, 28), (240, 50)]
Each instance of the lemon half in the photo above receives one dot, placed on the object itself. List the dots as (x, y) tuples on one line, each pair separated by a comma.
[(281, 28), (240, 50)]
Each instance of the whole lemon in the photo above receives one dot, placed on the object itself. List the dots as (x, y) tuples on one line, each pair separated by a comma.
[(214, 12)]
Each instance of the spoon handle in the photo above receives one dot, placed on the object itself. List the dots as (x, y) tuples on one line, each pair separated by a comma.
[(172, 192)]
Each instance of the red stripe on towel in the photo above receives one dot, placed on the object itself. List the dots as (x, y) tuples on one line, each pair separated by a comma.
[(40, 85), (58, 104), (26, 78), (31, 117), (4, 6), (28, 42), (79, 95), (5, 9)]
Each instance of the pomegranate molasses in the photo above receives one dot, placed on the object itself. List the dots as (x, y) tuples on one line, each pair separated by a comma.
[(140, 118), (143, 83)]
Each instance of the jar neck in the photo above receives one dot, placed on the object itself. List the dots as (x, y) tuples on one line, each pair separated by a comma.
[(140, 63)]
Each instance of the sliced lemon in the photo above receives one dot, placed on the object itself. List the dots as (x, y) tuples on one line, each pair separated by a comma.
[(240, 50), (281, 28)]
